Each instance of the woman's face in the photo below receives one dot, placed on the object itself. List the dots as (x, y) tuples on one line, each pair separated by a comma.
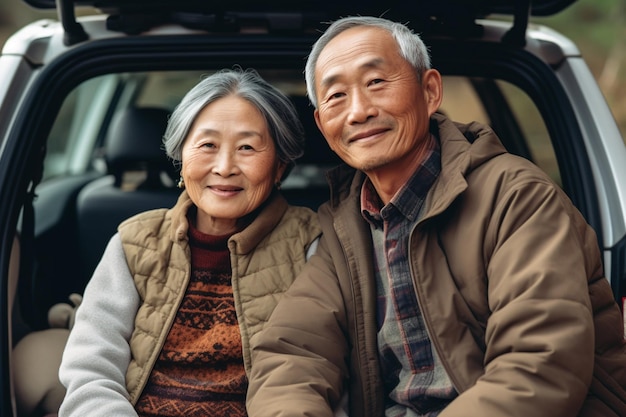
[(229, 163)]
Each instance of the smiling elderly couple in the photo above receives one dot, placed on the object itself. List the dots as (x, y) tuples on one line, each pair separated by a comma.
[(444, 276)]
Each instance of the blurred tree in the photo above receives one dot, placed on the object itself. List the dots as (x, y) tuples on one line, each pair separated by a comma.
[(612, 79), (598, 27), (16, 13)]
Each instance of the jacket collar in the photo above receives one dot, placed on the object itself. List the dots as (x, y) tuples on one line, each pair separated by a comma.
[(464, 147), (269, 215), (243, 242), (178, 214)]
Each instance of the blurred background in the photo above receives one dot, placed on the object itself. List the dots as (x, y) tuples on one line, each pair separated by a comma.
[(598, 27)]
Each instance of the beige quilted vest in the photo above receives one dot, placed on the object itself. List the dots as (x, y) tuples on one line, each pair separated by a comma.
[(265, 258)]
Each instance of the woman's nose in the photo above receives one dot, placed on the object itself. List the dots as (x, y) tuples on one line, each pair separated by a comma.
[(224, 164)]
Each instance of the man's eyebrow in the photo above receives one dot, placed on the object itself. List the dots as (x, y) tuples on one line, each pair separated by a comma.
[(331, 79), (373, 63)]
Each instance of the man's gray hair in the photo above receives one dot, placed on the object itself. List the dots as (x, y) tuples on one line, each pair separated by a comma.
[(278, 111), (411, 46)]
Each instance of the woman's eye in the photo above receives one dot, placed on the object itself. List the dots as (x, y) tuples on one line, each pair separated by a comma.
[(246, 148)]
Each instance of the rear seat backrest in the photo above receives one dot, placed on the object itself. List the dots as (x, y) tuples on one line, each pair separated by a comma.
[(316, 150), (134, 144), (311, 188)]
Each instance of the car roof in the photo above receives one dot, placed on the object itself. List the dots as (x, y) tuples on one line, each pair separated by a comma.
[(445, 17), (479, 8)]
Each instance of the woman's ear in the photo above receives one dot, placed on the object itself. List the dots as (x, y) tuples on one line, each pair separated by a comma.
[(280, 171)]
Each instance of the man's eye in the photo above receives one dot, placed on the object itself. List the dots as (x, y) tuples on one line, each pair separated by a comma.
[(376, 81)]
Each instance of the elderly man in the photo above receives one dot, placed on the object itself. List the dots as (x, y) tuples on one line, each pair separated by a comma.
[(452, 279)]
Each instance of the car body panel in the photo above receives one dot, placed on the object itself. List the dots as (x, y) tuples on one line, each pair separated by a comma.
[(538, 7)]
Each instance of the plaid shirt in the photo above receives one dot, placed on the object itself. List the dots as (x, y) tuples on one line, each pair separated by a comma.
[(414, 378)]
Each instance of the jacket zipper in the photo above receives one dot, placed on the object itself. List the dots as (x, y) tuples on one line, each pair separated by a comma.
[(427, 323)]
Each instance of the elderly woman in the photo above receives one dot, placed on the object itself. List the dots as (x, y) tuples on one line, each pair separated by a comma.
[(167, 318)]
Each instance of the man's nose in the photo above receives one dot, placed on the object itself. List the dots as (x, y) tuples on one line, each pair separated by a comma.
[(361, 107)]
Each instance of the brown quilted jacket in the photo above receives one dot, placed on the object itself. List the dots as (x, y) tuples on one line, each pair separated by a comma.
[(509, 280)]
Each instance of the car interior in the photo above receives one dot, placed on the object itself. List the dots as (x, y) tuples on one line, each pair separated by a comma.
[(96, 176), (87, 191)]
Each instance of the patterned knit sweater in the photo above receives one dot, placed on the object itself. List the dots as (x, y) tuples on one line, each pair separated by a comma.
[(200, 369)]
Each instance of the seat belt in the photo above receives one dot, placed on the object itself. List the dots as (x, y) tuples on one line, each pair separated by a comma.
[(27, 242)]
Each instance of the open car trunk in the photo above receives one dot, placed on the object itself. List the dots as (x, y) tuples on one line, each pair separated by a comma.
[(453, 17)]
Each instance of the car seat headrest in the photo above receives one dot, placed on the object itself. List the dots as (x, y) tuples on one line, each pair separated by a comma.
[(134, 141)]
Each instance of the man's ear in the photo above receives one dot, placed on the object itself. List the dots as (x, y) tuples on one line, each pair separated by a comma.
[(433, 90)]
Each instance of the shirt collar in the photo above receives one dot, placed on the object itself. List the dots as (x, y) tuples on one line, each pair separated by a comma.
[(409, 198)]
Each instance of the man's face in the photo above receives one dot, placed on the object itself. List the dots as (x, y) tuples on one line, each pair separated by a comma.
[(372, 109)]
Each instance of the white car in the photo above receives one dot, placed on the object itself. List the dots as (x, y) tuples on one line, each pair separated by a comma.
[(84, 102)]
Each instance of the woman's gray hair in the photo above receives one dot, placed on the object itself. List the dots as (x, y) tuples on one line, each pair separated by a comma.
[(278, 111), (411, 46)]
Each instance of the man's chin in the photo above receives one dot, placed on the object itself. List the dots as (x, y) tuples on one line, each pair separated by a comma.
[(369, 164)]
